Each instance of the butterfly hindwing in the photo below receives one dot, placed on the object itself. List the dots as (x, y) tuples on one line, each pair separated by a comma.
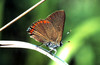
[(42, 31)]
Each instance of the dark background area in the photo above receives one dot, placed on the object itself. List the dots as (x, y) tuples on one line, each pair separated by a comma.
[(82, 18)]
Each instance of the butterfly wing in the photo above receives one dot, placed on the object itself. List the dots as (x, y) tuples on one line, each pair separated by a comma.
[(42, 31), (50, 29), (57, 19)]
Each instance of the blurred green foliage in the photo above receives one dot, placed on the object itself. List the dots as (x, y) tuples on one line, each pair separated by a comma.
[(82, 18)]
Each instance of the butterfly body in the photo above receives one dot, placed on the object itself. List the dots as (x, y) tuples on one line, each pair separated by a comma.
[(49, 31)]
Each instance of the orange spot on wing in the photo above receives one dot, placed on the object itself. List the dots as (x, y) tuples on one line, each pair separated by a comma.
[(41, 21), (35, 23), (31, 31), (44, 21), (33, 26), (48, 22)]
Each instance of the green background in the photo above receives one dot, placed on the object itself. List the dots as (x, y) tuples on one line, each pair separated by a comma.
[(82, 19)]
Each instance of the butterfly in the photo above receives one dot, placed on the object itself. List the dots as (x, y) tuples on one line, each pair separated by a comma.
[(49, 31)]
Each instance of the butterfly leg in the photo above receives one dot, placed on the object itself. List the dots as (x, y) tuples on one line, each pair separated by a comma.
[(55, 51), (41, 45), (50, 51)]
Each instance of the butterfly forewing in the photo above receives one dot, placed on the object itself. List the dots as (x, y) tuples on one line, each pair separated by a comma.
[(57, 19)]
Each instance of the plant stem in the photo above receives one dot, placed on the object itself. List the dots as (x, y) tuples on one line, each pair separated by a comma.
[(21, 15)]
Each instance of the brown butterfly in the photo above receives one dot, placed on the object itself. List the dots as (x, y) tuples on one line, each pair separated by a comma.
[(49, 31)]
